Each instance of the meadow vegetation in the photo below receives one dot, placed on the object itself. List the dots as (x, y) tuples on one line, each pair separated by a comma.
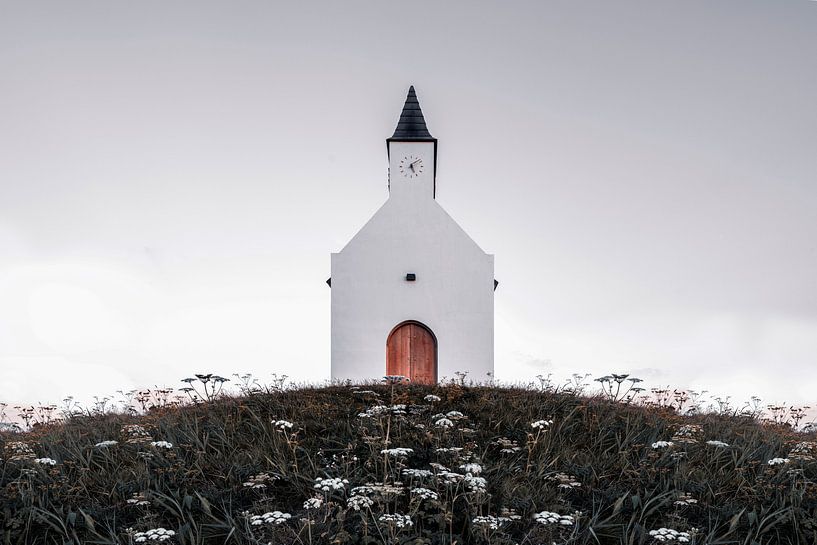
[(392, 462)]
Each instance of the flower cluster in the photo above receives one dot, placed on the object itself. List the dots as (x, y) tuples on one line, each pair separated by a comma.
[(662, 444), (719, 444), (566, 481), (18, 450), (138, 499), (273, 517), (400, 521), (283, 425), (778, 461), (685, 500), (161, 444), (804, 450), (359, 502), (398, 452), (510, 513), (383, 490), (105, 444), (157, 535), (475, 484), (688, 433), (472, 468), (449, 450), (328, 485), (45, 461), (259, 481), (548, 518), (507, 446), (313, 503), (489, 521), (135, 433), (667, 534), (444, 423), (431, 398), (541, 424), (418, 473), (382, 410), (449, 477), (424, 493)]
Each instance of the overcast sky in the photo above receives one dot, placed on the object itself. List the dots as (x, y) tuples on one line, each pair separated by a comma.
[(174, 176)]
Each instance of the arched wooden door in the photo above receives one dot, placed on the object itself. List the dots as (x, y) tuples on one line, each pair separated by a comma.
[(411, 351)]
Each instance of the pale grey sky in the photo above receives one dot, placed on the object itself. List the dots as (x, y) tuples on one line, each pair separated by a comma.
[(173, 177)]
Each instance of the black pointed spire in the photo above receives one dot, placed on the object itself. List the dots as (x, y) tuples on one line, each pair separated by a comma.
[(412, 124)]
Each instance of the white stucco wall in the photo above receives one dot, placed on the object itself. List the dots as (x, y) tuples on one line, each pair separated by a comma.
[(453, 294)]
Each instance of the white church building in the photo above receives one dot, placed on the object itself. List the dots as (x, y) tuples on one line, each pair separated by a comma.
[(412, 293)]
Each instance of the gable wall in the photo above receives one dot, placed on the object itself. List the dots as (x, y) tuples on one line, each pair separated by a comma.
[(453, 293)]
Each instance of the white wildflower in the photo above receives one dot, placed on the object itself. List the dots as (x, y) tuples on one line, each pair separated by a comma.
[(472, 468), (18, 450), (431, 398), (685, 500), (541, 424), (328, 485), (138, 499), (719, 444), (156, 535), (509, 446), (489, 521), (398, 452), (778, 461), (566, 481), (401, 521), (135, 433), (449, 477), (667, 534), (549, 517), (273, 517), (688, 433), (283, 425), (386, 491), (161, 444), (259, 481), (804, 450), (510, 513), (45, 461), (444, 423), (359, 502), (313, 503), (424, 493), (418, 473), (105, 444), (662, 444), (475, 484)]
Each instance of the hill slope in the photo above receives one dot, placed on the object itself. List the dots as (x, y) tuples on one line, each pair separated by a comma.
[(482, 465)]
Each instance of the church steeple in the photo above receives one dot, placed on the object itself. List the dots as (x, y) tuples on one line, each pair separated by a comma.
[(412, 152), (412, 124)]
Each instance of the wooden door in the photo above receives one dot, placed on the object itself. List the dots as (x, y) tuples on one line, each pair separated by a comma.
[(411, 351)]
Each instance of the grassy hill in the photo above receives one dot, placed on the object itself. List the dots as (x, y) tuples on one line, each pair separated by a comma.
[(409, 464)]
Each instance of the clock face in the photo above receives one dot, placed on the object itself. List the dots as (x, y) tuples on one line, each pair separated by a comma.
[(411, 166)]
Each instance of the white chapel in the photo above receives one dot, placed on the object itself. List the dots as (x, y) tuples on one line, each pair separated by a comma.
[(412, 293)]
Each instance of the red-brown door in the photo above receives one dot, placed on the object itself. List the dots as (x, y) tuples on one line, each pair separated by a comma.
[(411, 351)]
